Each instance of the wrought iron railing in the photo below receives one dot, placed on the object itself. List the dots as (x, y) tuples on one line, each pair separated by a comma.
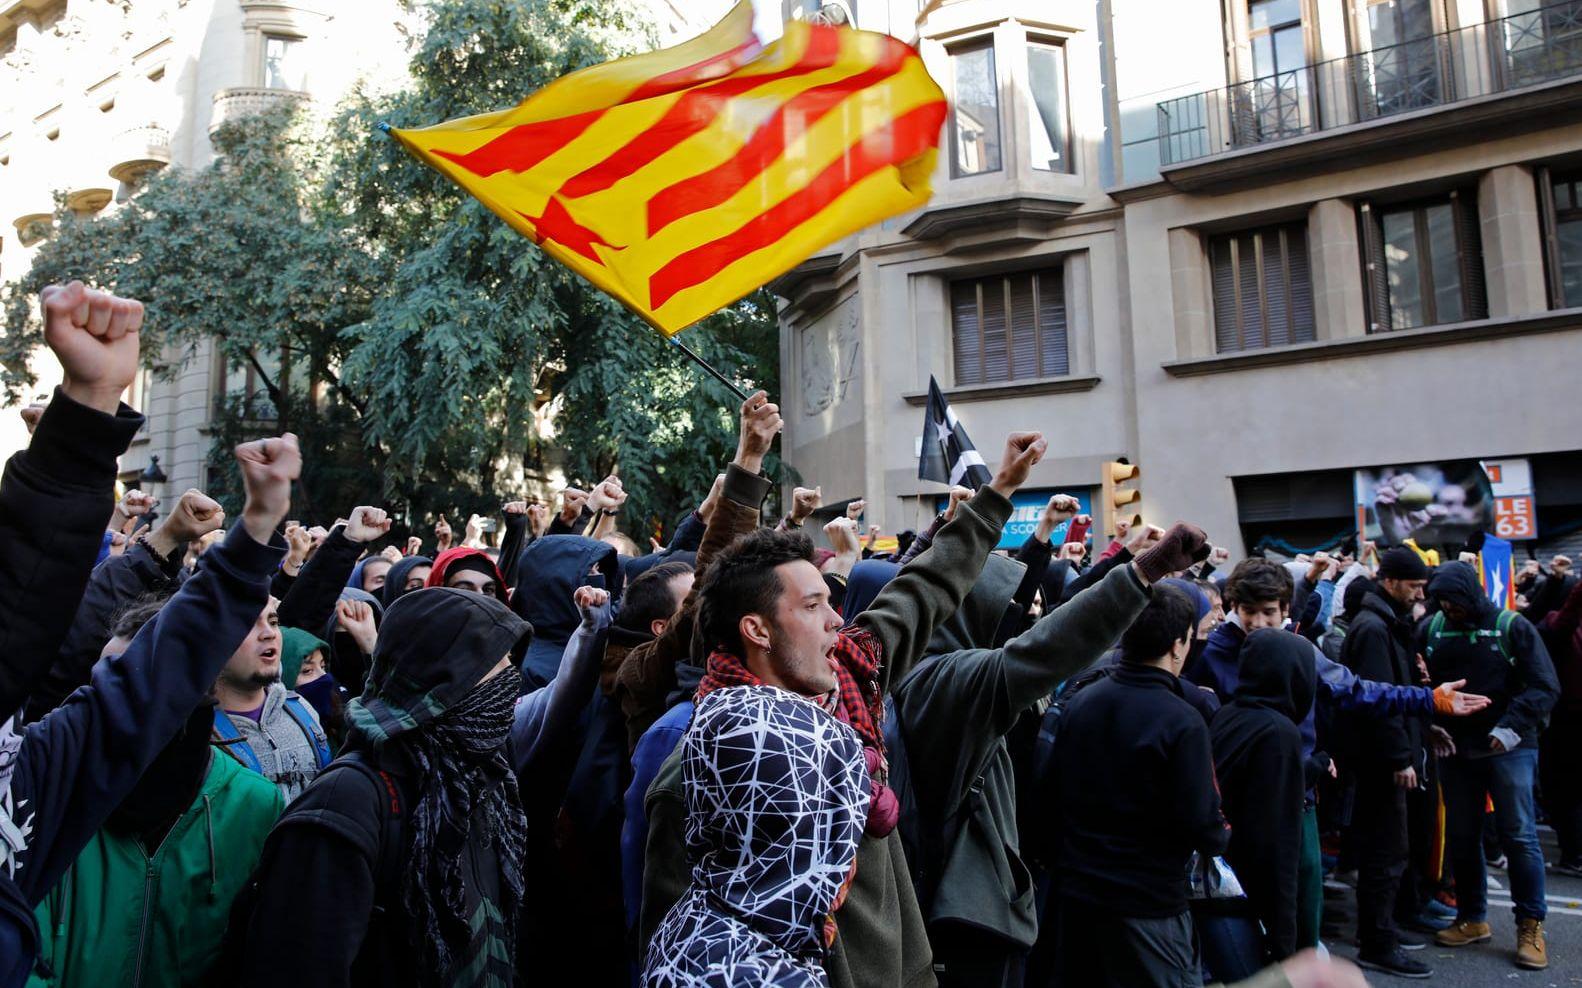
[(1512, 52)]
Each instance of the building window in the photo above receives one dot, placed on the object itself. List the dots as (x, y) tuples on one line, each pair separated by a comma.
[(1398, 60), (1562, 197), (1275, 101), (282, 57), (975, 130), (1263, 288), (1046, 83), (1425, 263), (1274, 32), (1009, 327)]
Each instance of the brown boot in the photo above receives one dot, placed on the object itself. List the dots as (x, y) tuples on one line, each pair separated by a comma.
[(1531, 951), (1463, 933)]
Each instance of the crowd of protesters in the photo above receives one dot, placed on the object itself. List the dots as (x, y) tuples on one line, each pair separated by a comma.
[(272, 754)]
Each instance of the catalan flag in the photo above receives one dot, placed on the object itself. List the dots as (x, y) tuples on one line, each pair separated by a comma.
[(680, 180)]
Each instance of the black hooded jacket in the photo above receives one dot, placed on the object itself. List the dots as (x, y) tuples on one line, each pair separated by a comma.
[(1258, 759), (1378, 646), (1523, 688)]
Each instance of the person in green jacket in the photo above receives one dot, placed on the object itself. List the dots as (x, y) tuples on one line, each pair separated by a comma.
[(954, 711), (145, 904), (880, 940)]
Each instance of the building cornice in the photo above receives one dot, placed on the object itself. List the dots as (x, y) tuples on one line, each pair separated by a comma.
[(996, 213), (1011, 389), (1481, 330)]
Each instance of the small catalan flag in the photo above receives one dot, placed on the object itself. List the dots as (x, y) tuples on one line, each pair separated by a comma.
[(681, 180)]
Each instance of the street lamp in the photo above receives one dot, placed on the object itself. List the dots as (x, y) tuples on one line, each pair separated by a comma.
[(150, 479)]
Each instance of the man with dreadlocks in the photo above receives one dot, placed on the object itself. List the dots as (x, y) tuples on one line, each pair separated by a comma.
[(765, 620), (402, 863)]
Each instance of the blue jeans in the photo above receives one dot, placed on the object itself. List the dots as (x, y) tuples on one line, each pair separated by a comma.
[(1508, 779), (1232, 945)]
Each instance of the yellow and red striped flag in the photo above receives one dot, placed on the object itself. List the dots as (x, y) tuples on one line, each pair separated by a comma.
[(680, 180)]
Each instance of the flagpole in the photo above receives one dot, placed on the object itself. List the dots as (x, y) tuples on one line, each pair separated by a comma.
[(705, 365)]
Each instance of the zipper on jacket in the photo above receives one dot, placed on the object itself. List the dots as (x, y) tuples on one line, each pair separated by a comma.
[(149, 874)]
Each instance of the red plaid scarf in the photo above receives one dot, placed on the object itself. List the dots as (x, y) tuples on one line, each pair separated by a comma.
[(859, 703)]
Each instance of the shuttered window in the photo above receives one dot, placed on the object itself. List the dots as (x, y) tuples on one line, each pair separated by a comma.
[(1009, 327), (1424, 263), (1263, 288), (1560, 196)]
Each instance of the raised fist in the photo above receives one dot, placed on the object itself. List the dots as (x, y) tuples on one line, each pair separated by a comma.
[(855, 509), (1073, 551), (594, 604), (958, 494), (268, 468), (609, 495), (805, 501), (1171, 552), (842, 535), (1023, 450), (194, 516), (366, 524), (442, 534), (414, 545), (515, 507), (390, 554), (571, 501), (537, 520), (761, 422), (357, 619), (95, 336)]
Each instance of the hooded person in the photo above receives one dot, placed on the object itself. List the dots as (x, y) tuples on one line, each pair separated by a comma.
[(312, 680), (580, 851), (1259, 763), (406, 861), (1502, 656), (407, 575), (868, 577), (777, 795), (180, 845), (345, 658), (953, 714), (370, 574), (470, 569)]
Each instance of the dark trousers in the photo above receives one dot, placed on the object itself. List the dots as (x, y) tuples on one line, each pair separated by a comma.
[(1560, 773), (1105, 951), (1378, 822), (1420, 881), (968, 958)]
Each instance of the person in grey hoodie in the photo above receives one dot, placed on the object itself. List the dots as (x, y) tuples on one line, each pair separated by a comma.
[(954, 711)]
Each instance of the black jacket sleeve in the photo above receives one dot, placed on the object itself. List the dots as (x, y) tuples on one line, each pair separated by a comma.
[(280, 584), (116, 583), (689, 534), (1366, 652), (1528, 713), (1196, 796), (1094, 574), (312, 599), (55, 499), (511, 547)]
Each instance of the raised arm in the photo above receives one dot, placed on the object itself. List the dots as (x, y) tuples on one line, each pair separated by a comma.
[(311, 601), (57, 494), (546, 715), (79, 762), (932, 586)]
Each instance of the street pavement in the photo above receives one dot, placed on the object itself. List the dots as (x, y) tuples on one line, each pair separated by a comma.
[(1490, 964)]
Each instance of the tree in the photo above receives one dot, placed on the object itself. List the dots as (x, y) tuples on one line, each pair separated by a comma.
[(412, 339)]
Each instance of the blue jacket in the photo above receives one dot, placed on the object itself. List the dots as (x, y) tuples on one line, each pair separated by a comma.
[(78, 763), (652, 749), (1336, 684)]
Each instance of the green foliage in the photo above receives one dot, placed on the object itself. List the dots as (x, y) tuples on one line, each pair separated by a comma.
[(423, 336)]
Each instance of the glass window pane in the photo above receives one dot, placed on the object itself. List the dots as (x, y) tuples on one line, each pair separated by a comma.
[(1262, 56), (976, 132), (1400, 268), (1562, 195), (1288, 52), (1264, 14), (1047, 108), (1446, 264), (1570, 236), (280, 70)]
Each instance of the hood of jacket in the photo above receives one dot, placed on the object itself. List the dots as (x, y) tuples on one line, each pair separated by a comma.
[(1458, 583), (978, 618), (550, 571), (1277, 671), (1356, 591), (867, 579), (437, 644), (450, 557), (776, 796), (396, 578), (295, 647)]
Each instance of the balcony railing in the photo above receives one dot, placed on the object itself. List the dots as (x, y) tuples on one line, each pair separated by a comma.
[(234, 104), (1497, 56)]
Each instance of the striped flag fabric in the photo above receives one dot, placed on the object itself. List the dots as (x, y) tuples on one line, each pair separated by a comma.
[(948, 455), (680, 180)]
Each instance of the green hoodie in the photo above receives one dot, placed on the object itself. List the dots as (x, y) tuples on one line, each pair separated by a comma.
[(123, 917)]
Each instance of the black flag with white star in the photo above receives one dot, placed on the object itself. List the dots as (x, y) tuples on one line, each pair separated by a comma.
[(948, 456)]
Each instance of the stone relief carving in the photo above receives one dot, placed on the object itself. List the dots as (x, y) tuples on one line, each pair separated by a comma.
[(829, 350)]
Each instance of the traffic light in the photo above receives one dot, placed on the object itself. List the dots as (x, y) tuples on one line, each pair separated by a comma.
[(1121, 502)]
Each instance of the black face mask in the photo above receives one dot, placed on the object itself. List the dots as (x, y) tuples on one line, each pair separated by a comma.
[(170, 784), (1194, 659)]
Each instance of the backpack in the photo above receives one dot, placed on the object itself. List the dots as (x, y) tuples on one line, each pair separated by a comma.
[(1500, 634), (233, 744), (387, 866), (1039, 841)]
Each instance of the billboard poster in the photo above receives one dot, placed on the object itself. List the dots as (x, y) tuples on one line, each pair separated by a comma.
[(1027, 506), (1434, 504)]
